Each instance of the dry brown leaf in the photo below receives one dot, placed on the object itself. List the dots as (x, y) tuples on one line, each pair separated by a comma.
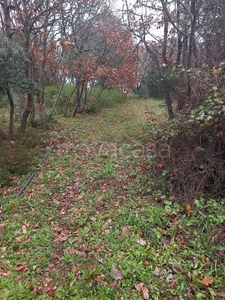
[(36, 226), (169, 278), (222, 295), (2, 227), (159, 271), (2, 249), (116, 273), (142, 290), (46, 287), (21, 239), (24, 229), (83, 247), (173, 284), (100, 279), (126, 230), (4, 272), (106, 224), (222, 253), (21, 267), (61, 237), (70, 250), (142, 242), (207, 280)]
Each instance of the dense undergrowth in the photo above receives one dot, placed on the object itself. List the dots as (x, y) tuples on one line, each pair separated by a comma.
[(193, 163), (20, 154), (98, 223)]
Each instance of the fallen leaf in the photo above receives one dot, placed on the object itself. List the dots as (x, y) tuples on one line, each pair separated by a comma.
[(159, 271), (106, 224), (61, 238), (2, 227), (126, 230), (36, 226), (24, 229), (222, 295), (169, 278), (21, 239), (2, 249), (116, 273), (189, 209), (142, 242), (79, 197), (100, 280), (4, 272), (175, 221), (207, 280), (46, 287), (142, 290), (83, 247), (70, 250), (81, 253), (21, 267), (173, 284)]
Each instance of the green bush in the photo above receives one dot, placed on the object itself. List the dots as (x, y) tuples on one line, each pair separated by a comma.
[(67, 90), (96, 99), (105, 99), (211, 110), (50, 92)]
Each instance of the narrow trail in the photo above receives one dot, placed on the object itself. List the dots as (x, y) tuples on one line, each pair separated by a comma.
[(99, 165), (88, 227), (96, 172)]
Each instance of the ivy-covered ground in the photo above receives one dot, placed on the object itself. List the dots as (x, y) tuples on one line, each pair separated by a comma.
[(91, 226)]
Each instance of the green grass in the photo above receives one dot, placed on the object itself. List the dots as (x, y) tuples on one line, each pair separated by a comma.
[(89, 225)]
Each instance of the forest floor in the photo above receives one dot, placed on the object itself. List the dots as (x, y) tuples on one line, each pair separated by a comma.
[(90, 226)]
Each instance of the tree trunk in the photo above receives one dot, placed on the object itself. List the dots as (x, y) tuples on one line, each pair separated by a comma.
[(11, 103), (58, 97), (29, 109), (78, 98), (68, 100), (191, 47), (167, 92), (166, 69), (179, 40)]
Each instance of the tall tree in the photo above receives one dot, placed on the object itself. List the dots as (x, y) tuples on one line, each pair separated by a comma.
[(180, 36), (26, 19)]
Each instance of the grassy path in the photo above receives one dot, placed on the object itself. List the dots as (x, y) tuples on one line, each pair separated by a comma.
[(88, 227)]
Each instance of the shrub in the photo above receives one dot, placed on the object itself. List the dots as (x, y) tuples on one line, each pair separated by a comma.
[(20, 154), (98, 99), (195, 160), (50, 92)]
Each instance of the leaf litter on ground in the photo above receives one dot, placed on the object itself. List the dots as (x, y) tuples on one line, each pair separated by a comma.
[(89, 226)]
